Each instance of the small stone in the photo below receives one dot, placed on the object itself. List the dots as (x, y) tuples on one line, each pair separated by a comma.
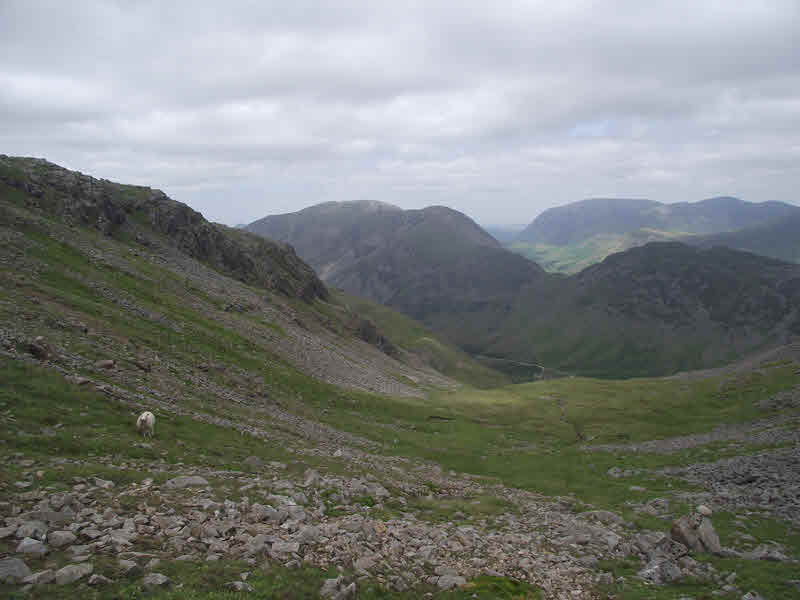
[(704, 510), (285, 547), (311, 478), (308, 534), (57, 539), (447, 582), (32, 529), (708, 537), (155, 580), (254, 462), (239, 586), (40, 578), (7, 531), (103, 483), (13, 570), (72, 573), (152, 564), (97, 580), (32, 547), (185, 481), (105, 364), (661, 571), (129, 568), (330, 587)]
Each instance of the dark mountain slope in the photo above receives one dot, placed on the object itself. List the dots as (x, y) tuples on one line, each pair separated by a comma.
[(777, 239), (655, 309), (418, 261)]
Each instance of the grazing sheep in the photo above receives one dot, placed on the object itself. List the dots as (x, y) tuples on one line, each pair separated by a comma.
[(146, 423)]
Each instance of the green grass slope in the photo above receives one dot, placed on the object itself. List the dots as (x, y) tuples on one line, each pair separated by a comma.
[(574, 257), (414, 337)]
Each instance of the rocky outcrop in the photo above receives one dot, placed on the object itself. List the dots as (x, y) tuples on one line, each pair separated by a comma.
[(696, 532), (152, 218)]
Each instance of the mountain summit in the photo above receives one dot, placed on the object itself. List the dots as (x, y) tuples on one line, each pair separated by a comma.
[(421, 262)]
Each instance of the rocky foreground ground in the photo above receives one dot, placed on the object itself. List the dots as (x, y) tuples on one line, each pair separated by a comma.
[(366, 518)]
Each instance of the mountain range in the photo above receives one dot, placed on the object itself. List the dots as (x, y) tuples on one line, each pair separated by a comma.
[(571, 237), (649, 310)]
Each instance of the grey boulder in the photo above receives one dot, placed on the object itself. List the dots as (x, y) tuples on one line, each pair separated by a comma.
[(185, 481), (13, 570), (72, 573)]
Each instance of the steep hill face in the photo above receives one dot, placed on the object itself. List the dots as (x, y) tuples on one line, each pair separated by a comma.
[(151, 218), (570, 238), (777, 239), (421, 262)]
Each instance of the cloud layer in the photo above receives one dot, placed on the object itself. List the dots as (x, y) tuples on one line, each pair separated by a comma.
[(499, 111)]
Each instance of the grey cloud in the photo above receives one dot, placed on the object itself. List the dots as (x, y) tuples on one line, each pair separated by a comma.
[(497, 110)]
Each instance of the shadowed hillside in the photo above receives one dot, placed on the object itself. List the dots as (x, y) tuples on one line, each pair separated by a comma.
[(777, 239)]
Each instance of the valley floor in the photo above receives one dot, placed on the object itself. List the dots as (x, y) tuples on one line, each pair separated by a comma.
[(275, 503)]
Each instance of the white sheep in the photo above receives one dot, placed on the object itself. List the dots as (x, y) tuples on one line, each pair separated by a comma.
[(146, 423)]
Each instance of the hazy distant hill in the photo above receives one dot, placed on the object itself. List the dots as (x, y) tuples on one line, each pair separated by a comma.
[(504, 234), (571, 237), (419, 261)]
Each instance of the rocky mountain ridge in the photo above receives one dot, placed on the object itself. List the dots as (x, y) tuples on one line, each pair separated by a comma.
[(140, 212)]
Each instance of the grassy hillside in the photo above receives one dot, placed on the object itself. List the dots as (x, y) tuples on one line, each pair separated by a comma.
[(569, 238), (573, 258), (412, 336)]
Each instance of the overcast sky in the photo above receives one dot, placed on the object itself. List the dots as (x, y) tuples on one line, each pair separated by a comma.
[(497, 109)]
